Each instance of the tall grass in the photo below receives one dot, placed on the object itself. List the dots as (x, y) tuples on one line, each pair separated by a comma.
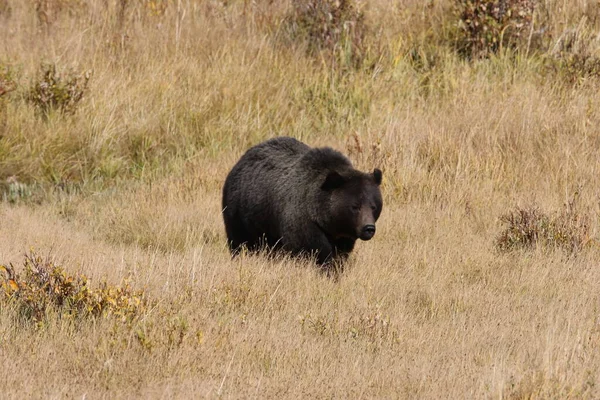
[(127, 184)]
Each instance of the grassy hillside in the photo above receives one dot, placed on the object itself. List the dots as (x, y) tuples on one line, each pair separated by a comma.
[(120, 119)]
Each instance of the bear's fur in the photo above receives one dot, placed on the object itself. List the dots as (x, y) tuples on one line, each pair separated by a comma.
[(288, 196)]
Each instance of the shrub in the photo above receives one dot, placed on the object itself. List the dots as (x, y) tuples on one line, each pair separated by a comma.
[(527, 228), (575, 68), (575, 54), (53, 91), (7, 80), (333, 28), (14, 191), (45, 286), (7, 84), (488, 25)]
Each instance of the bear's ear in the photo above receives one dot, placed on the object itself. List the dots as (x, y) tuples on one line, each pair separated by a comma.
[(377, 175), (333, 181)]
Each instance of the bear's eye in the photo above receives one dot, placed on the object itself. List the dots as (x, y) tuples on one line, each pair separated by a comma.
[(373, 208), (355, 207)]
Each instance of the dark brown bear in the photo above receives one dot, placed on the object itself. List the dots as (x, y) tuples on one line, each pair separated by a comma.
[(302, 200)]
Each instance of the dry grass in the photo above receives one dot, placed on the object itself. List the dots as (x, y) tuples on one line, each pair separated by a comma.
[(128, 186)]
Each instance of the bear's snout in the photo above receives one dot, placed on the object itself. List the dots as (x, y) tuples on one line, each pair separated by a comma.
[(367, 232)]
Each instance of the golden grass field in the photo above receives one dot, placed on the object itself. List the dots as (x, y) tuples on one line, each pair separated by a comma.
[(128, 187)]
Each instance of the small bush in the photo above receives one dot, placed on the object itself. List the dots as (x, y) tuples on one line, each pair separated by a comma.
[(14, 191), (528, 228), (333, 28), (575, 55), (576, 68), (7, 84), (45, 286), (53, 91), (488, 25), (7, 80)]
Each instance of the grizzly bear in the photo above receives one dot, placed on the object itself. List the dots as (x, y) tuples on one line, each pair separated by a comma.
[(284, 195)]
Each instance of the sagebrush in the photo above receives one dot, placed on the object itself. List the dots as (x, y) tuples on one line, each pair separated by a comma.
[(58, 91), (528, 228), (489, 25), (335, 29), (44, 286)]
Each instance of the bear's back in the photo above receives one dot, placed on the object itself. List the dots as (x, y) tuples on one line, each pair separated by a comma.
[(279, 153), (261, 171)]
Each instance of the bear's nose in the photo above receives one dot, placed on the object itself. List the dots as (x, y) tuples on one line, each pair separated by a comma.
[(368, 231)]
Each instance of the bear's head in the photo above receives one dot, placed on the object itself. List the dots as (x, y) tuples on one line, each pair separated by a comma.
[(354, 203)]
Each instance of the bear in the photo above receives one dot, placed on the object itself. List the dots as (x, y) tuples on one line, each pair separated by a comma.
[(283, 195)]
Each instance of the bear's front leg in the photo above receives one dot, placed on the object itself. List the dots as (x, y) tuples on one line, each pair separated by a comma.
[(315, 243)]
